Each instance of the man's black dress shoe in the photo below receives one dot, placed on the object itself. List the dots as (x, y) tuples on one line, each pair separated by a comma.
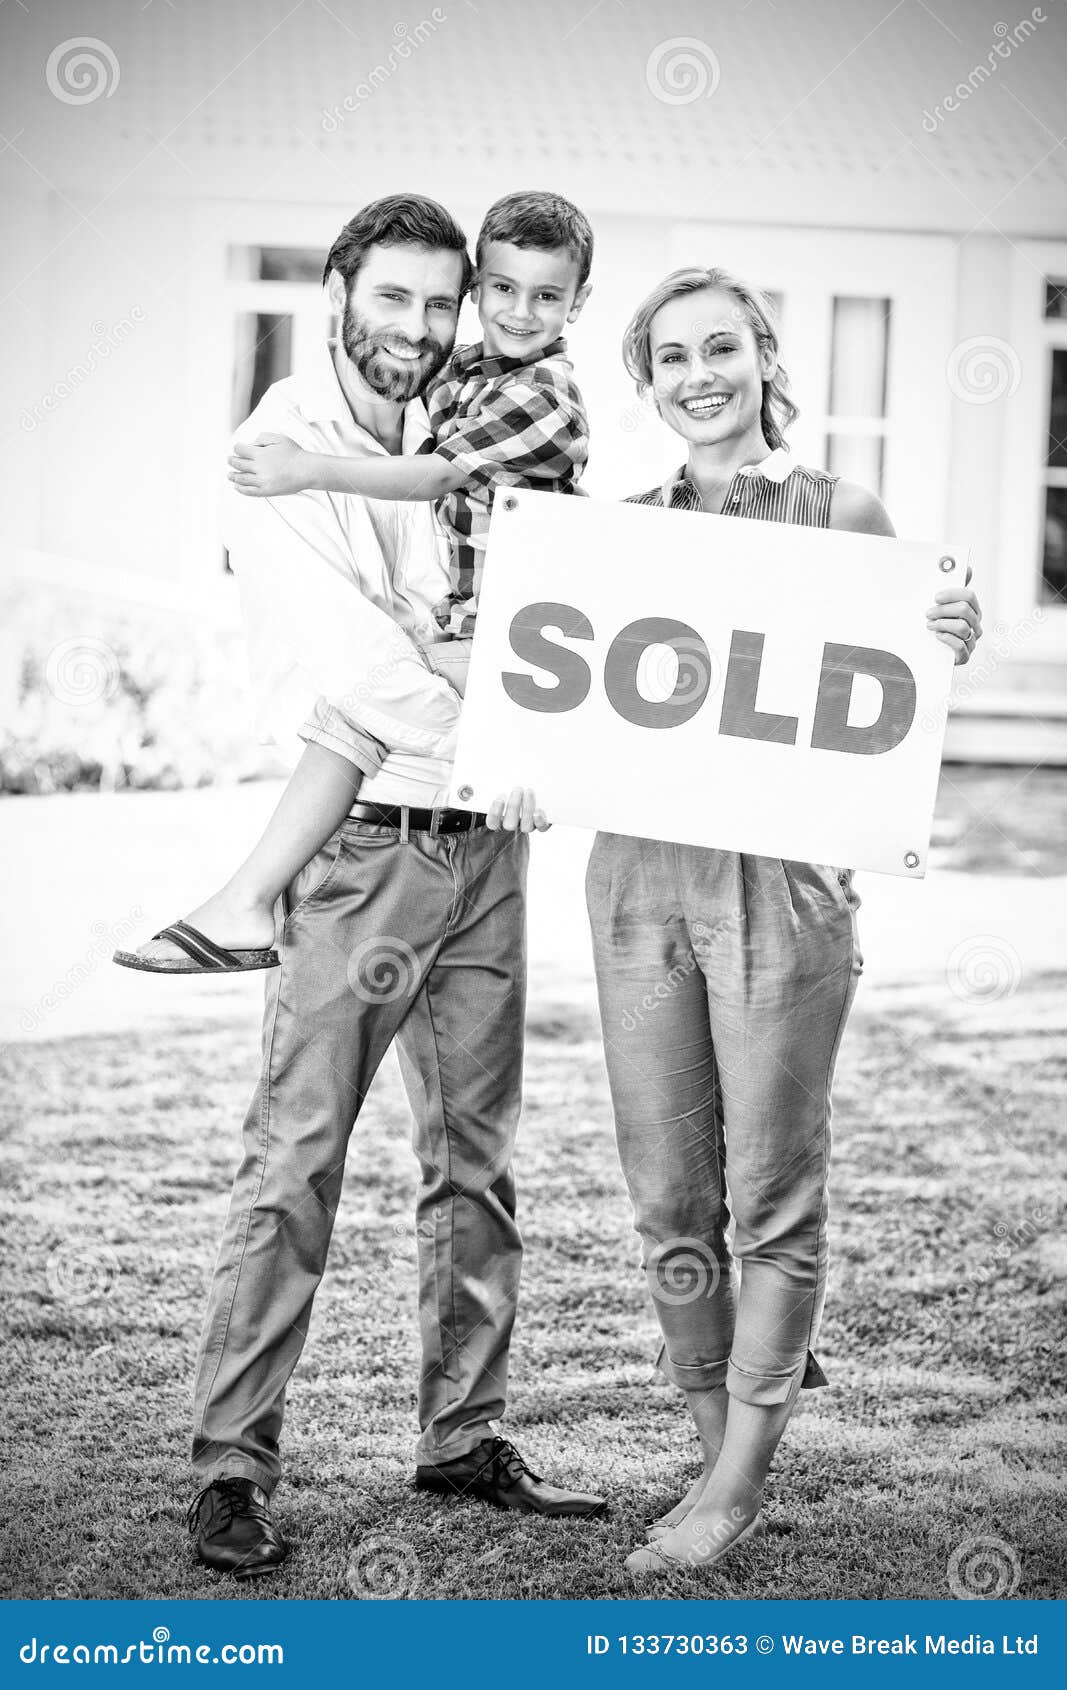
[(495, 1472), (234, 1532)]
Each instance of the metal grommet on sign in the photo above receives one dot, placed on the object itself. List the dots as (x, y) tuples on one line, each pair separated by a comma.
[(510, 503), (946, 565), (465, 792), (911, 859)]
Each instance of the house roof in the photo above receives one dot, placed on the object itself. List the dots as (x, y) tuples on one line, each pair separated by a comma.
[(810, 111)]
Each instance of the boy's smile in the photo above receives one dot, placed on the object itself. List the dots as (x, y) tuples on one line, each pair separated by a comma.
[(525, 297)]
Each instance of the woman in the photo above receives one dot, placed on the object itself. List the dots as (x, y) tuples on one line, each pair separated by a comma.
[(726, 1088)]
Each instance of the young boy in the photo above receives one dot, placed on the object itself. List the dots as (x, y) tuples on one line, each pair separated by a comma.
[(503, 413)]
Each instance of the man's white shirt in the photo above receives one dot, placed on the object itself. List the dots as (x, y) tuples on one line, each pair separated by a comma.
[(335, 590)]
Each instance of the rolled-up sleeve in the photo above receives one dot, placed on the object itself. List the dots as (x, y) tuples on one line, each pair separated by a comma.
[(527, 429), (303, 604)]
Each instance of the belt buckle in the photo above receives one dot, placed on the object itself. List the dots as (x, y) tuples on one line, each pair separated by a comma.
[(435, 822)]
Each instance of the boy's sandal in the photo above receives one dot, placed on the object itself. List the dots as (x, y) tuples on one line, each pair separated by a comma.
[(202, 955)]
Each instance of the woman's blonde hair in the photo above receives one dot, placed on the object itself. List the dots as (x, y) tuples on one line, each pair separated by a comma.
[(778, 410)]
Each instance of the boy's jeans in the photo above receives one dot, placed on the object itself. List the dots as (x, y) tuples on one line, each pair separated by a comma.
[(725, 982), (330, 727), (422, 941), (451, 658)]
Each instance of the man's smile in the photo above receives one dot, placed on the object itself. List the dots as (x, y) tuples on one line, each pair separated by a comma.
[(408, 354)]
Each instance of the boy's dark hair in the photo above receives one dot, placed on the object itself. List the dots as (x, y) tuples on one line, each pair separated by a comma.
[(546, 221), (396, 220)]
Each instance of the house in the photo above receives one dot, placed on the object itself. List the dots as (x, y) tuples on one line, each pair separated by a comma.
[(893, 173)]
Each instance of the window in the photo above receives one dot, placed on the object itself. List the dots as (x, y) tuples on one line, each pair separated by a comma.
[(1056, 300), (263, 354), (1054, 547), (856, 406), (280, 318), (278, 263)]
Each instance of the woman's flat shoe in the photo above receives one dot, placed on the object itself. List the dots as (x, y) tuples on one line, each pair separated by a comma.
[(657, 1562), (202, 955)]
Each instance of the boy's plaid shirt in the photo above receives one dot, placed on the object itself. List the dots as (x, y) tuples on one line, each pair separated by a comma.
[(505, 422)]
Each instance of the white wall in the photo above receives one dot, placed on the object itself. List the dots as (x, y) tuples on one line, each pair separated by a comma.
[(977, 438), (117, 364), (23, 325), (118, 377), (96, 414)]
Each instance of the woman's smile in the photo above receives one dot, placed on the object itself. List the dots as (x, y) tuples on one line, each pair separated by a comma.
[(705, 404)]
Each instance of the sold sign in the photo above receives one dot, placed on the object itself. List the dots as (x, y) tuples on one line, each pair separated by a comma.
[(832, 730), (720, 682)]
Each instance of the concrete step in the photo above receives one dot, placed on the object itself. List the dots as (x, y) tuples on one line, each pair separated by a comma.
[(1029, 737), (1046, 705)]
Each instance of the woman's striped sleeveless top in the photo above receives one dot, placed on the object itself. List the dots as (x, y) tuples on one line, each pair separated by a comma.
[(772, 491)]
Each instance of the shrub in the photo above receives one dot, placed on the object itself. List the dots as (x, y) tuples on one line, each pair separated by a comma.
[(104, 695)]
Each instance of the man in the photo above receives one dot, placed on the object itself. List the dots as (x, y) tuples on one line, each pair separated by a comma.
[(409, 925)]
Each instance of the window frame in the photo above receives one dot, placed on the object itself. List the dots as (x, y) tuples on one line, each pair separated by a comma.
[(1026, 470), (213, 303)]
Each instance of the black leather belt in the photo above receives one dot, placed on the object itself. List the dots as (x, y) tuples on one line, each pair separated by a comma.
[(418, 821)]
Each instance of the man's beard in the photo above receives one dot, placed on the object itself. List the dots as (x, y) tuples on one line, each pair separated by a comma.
[(366, 347)]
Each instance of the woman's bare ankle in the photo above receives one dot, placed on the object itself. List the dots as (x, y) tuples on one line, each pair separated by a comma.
[(674, 1516)]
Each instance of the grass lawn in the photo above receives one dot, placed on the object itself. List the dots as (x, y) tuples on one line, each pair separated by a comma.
[(940, 1338)]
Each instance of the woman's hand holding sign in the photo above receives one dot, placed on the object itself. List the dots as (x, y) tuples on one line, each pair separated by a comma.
[(956, 618)]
